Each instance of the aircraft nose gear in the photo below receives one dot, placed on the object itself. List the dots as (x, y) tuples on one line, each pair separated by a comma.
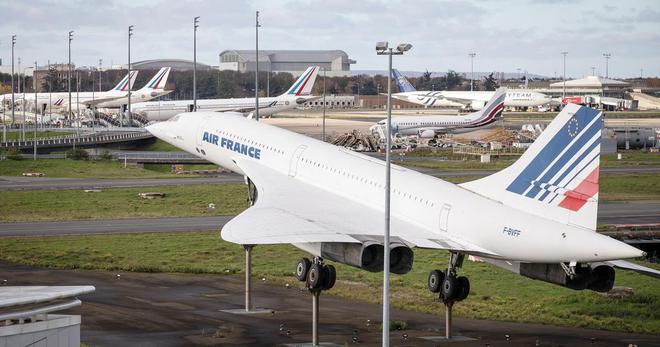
[(450, 287), (317, 277)]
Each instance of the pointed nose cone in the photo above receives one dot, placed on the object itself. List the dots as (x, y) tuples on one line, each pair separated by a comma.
[(155, 129), (611, 249)]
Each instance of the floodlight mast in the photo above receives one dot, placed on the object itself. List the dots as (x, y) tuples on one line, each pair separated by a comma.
[(382, 48)]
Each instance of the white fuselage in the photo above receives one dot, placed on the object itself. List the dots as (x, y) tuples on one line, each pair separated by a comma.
[(164, 110), (415, 197), (476, 100), (115, 99)]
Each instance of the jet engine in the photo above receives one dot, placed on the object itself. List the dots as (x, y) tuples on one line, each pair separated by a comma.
[(369, 256), (427, 134), (599, 278)]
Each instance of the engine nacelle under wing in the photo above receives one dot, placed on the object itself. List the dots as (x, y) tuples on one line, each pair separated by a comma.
[(369, 256), (599, 278), (427, 134)]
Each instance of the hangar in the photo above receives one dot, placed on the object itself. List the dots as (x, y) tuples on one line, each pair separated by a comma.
[(335, 62)]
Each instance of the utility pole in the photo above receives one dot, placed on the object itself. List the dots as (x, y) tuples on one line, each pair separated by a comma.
[(50, 98), (34, 138), (195, 26), (69, 115), (13, 101), (593, 71), (564, 79), (323, 130), (256, 69), (607, 61), (472, 55), (100, 76), (130, 33)]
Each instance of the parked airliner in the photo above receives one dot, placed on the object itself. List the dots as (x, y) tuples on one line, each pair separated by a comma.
[(536, 217), (298, 94), (475, 100), (430, 126)]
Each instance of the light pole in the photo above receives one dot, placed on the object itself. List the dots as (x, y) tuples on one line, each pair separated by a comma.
[(607, 63), (100, 76), (50, 99), (34, 138), (593, 71), (13, 101), (130, 33), (195, 26), (382, 49), (68, 117), (472, 55), (563, 78), (323, 129), (256, 68), (518, 73)]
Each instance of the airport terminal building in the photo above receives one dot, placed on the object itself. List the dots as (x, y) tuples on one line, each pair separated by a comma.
[(335, 62)]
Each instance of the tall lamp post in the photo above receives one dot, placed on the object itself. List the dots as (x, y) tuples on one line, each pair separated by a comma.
[(13, 101), (383, 49), (563, 78), (195, 26), (100, 76), (472, 55), (607, 63), (34, 138), (68, 117), (130, 33), (256, 68)]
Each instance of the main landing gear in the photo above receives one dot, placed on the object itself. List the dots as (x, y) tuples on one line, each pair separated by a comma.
[(317, 277), (451, 288)]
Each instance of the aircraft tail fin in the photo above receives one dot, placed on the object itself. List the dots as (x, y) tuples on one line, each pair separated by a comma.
[(557, 177), (159, 80), (304, 83), (491, 111), (122, 86), (402, 82)]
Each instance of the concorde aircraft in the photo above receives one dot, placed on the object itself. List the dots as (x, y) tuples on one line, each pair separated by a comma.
[(60, 99), (431, 125), (298, 94), (536, 217), (475, 100), (114, 98)]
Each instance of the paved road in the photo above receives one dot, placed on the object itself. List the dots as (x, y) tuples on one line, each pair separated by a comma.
[(609, 213), (157, 309), (14, 183)]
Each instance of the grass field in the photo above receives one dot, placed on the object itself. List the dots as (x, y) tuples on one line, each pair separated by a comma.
[(159, 146), (617, 187), (495, 294), (180, 201), (91, 168)]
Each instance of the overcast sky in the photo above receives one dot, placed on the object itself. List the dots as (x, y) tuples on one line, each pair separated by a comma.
[(526, 34)]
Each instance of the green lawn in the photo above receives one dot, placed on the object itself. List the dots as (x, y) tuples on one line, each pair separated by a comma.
[(90, 168), (496, 294), (180, 201), (618, 187), (160, 146)]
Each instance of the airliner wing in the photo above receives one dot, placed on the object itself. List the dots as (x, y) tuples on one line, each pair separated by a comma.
[(288, 211), (622, 264)]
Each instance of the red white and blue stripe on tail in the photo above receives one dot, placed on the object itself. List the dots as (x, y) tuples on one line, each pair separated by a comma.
[(303, 85), (123, 84), (564, 172)]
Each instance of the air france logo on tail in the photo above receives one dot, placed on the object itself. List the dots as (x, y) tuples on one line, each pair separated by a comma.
[(223, 142), (299, 86), (155, 82), (123, 85), (565, 172)]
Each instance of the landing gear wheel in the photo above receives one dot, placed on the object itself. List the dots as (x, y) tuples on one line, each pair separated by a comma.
[(302, 267), (330, 277), (450, 288), (315, 276), (436, 277), (464, 288)]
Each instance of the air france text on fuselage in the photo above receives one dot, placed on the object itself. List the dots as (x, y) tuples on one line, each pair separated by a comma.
[(232, 145)]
